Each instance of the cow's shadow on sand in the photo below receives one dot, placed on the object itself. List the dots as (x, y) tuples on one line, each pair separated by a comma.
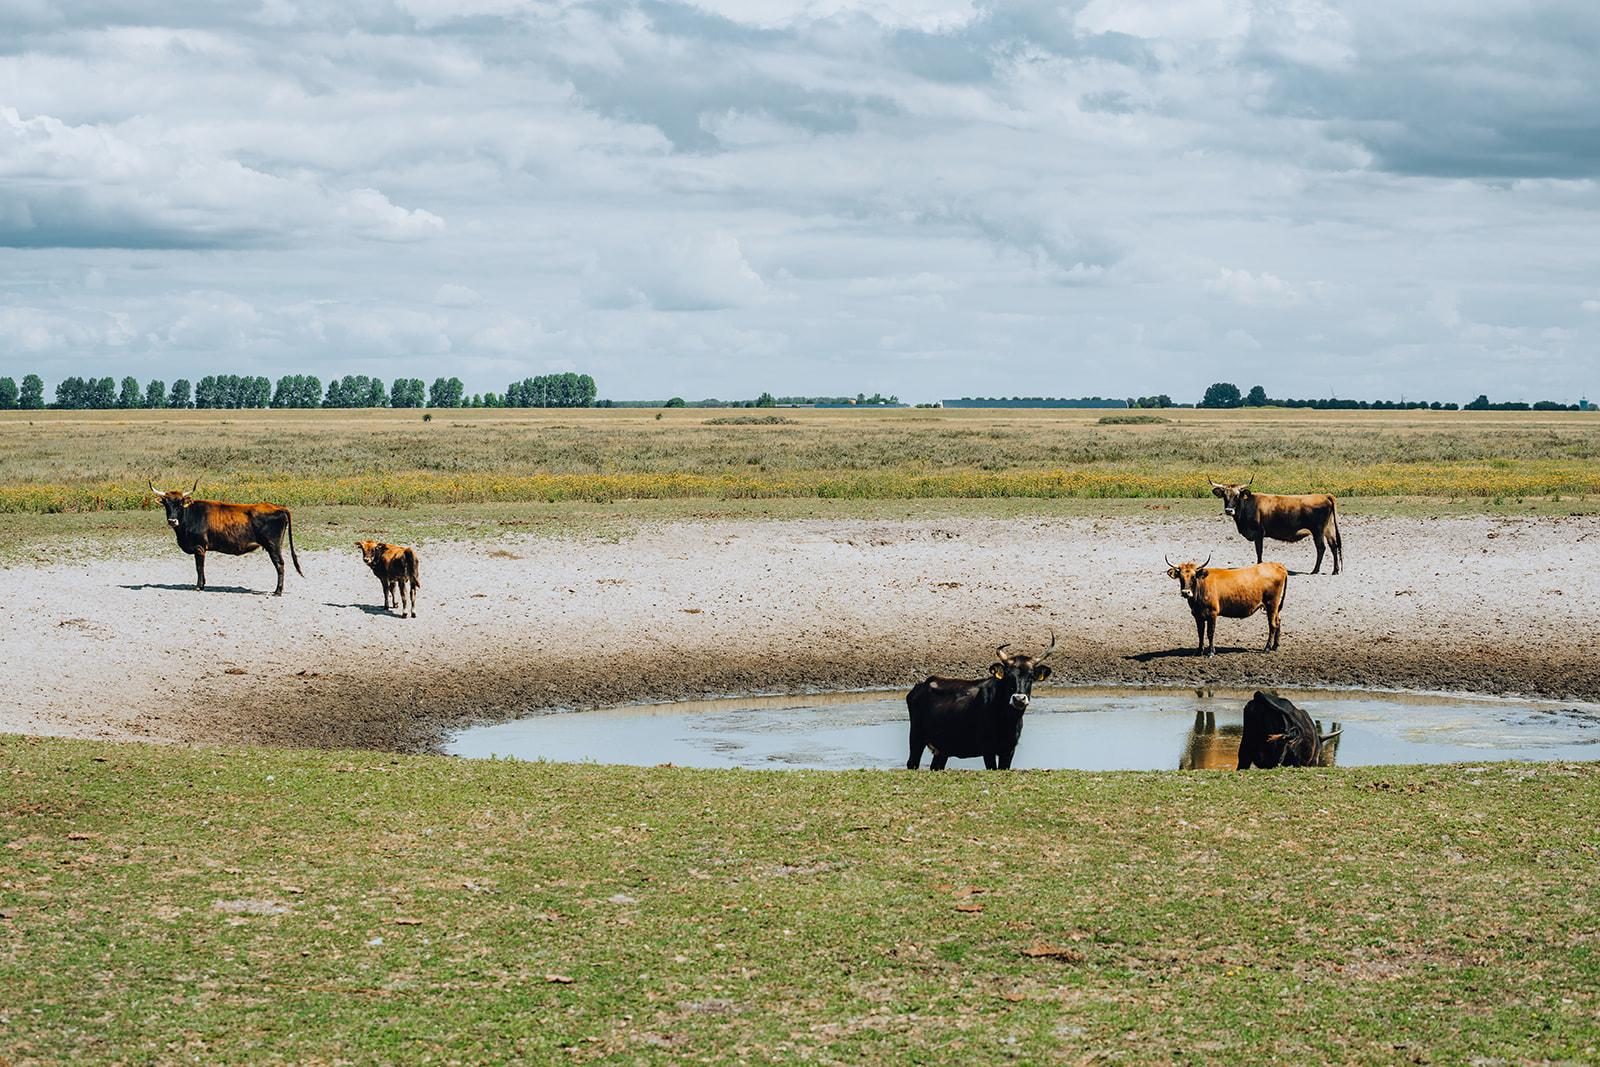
[(370, 609), (1184, 653), (189, 588)]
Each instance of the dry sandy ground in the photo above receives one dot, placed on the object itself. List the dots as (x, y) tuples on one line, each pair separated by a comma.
[(128, 649)]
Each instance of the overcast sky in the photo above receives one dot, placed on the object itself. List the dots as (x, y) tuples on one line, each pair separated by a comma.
[(926, 197)]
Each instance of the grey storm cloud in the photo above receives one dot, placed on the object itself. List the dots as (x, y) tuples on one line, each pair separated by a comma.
[(725, 196)]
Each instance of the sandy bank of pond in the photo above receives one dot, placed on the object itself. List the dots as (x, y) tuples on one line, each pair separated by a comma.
[(127, 649)]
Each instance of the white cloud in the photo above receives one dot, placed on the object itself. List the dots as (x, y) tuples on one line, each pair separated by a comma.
[(678, 272), (1256, 290), (451, 295)]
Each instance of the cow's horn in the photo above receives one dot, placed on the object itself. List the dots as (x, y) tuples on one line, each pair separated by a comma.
[(1169, 562), (1251, 482), (196, 488), (1214, 484), (1206, 564), (1046, 653), (1000, 652), (151, 483)]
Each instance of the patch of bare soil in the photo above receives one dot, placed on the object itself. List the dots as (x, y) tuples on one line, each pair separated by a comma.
[(130, 650)]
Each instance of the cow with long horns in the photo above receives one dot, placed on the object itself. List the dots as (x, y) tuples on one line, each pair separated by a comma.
[(1232, 593), (233, 529), (960, 719), (1258, 516)]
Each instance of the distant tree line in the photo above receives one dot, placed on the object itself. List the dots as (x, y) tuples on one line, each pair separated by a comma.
[(765, 400), (1483, 404), (1227, 395), (1036, 402), (566, 390), (291, 391)]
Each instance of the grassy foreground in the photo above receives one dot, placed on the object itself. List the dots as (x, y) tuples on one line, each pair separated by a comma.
[(220, 906), (97, 461)]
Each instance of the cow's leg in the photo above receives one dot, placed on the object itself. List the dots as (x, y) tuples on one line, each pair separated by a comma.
[(1261, 544), (917, 745), (988, 761), (1005, 759), (1211, 635), (276, 555), (1321, 542), (411, 591), (199, 568), (938, 761), (1200, 635)]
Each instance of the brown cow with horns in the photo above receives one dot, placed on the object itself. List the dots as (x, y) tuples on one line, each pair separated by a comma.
[(1258, 516), (1233, 593), (212, 526)]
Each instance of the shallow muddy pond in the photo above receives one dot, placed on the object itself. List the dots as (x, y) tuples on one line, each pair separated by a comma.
[(1085, 729)]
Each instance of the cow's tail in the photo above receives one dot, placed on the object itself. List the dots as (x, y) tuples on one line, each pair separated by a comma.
[(411, 569), (1338, 538), (288, 525)]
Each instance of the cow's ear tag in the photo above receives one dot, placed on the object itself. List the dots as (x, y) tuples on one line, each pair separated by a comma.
[(1041, 672), (997, 670)]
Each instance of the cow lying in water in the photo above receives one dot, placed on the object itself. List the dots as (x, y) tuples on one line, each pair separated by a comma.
[(212, 526), (955, 718), (1233, 593), (396, 568), (1277, 733)]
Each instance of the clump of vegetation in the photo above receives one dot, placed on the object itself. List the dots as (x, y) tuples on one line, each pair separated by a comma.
[(752, 420), (1132, 420)]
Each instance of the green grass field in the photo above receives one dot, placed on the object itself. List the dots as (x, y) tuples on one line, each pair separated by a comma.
[(161, 904)]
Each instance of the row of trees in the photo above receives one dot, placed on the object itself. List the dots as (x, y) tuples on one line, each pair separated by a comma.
[(551, 391), (30, 396), (292, 391), (1227, 395)]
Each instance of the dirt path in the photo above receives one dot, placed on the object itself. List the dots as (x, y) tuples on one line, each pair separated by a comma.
[(128, 649)]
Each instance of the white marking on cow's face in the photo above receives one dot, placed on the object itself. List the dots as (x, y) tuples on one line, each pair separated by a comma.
[(1019, 701), (1227, 511)]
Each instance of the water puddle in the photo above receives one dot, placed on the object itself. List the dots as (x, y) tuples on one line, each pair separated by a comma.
[(1083, 729)]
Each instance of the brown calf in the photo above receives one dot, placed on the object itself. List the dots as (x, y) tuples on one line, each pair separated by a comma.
[(396, 568), (1233, 593), (1258, 516), (212, 526)]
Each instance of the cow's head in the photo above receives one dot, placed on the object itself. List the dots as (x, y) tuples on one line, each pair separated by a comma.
[(1189, 575), (174, 501), (1019, 672), (370, 550), (1232, 495)]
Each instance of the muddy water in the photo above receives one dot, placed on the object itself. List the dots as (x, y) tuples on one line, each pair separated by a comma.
[(1086, 729)]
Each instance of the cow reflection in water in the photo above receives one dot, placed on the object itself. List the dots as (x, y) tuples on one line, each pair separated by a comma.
[(1275, 733)]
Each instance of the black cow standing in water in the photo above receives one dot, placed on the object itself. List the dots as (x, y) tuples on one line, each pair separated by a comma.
[(955, 718), (1277, 733)]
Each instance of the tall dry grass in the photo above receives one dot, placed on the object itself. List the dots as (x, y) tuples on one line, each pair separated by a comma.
[(87, 461)]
